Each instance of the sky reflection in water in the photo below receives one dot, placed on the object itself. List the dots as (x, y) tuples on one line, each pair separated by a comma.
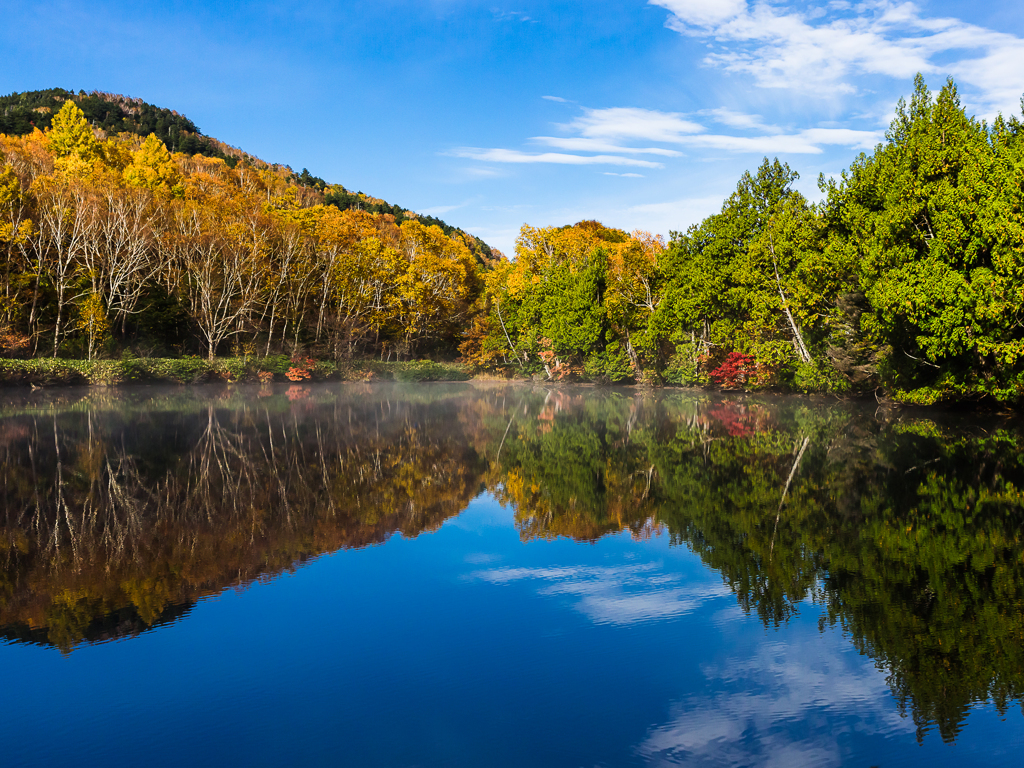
[(505, 576)]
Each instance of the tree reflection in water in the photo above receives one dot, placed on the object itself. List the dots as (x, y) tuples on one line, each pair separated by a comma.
[(905, 531), (152, 506)]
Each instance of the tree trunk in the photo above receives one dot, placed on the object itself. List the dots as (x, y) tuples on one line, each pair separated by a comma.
[(798, 339), (270, 335), (509, 340), (56, 328), (785, 492), (633, 359)]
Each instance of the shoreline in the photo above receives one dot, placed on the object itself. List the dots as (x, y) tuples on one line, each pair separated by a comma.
[(52, 373), (39, 373)]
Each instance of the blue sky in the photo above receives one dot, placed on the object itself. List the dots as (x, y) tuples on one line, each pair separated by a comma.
[(493, 114)]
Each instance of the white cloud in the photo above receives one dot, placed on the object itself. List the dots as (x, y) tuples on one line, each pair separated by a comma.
[(557, 158), (738, 120), (776, 144), (844, 137), (580, 144), (625, 175), (631, 123), (513, 16), (705, 13), (609, 132), (559, 99), (824, 53)]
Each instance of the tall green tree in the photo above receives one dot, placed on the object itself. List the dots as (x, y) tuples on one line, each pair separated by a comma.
[(933, 221), (749, 279)]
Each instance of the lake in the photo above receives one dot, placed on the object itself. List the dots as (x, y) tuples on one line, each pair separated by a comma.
[(506, 575)]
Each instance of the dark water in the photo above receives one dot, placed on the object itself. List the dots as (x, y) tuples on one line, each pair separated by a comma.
[(376, 575)]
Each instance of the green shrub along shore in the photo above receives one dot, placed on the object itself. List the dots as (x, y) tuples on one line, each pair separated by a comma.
[(196, 370)]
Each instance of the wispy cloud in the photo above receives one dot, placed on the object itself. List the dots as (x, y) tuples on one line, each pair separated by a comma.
[(559, 99), (625, 175), (610, 136), (513, 16), (823, 51), (581, 144), (633, 123), (806, 142), (739, 120), (556, 158)]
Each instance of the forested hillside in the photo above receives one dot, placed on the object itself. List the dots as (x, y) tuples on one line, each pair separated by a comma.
[(115, 241), (908, 277), (21, 113)]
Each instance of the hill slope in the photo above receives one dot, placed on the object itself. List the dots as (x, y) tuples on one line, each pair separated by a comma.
[(21, 113)]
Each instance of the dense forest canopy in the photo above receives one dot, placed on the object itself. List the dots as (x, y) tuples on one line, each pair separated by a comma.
[(22, 113), (116, 237), (908, 277)]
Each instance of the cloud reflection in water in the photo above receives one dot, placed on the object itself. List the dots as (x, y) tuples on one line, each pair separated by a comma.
[(618, 595), (786, 704)]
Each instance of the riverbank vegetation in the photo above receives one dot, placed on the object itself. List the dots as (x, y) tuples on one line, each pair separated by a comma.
[(129, 369), (908, 276)]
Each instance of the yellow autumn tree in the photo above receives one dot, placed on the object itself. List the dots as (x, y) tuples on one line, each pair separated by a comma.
[(72, 140), (441, 276), (152, 166)]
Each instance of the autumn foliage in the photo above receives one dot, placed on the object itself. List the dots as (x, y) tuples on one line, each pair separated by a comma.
[(114, 240), (906, 277), (734, 372)]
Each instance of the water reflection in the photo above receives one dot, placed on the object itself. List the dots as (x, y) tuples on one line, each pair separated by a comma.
[(148, 506), (903, 531), (618, 595), (754, 714)]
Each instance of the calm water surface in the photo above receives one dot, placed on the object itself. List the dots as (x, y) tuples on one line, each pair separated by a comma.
[(458, 575)]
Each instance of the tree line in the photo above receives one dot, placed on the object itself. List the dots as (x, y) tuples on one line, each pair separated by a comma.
[(22, 113), (909, 276), (141, 527), (903, 532), (112, 113), (115, 240)]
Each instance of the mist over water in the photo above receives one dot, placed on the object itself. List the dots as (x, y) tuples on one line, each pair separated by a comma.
[(506, 575)]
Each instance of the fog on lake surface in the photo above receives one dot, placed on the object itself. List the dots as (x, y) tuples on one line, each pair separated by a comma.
[(469, 575)]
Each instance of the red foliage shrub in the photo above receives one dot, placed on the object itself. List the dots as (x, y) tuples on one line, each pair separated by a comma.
[(301, 369), (737, 370)]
